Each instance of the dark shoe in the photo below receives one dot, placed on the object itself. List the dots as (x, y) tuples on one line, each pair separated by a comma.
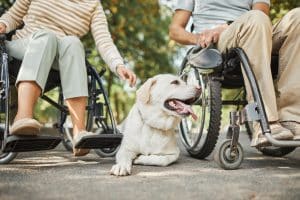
[(278, 132), (26, 126), (76, 139), (294, 127)]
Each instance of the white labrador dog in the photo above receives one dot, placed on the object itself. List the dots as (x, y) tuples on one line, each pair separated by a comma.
[(149, 135)]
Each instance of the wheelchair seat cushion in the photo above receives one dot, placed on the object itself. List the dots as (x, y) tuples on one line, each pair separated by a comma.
[(205, 58)]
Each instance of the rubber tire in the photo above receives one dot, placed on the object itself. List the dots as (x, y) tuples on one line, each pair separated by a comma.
[(107, 152), (110, 152), (214, 123), (270, 151), (67, 143), (8, 157), (223, 162)]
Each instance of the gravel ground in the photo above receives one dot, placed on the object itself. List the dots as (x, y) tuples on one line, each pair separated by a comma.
[(58, 175)]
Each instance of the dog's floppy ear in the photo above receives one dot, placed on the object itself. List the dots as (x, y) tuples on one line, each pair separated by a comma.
[(143, 93)]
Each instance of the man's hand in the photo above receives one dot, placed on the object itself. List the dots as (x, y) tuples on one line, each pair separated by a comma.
[(2, 28), (210, 36), (126, 74)]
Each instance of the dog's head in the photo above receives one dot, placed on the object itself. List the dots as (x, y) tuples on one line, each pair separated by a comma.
[(170, 94)]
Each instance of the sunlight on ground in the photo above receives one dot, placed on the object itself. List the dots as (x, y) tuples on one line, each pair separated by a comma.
[(264, 158), (177, 172), (51, 161)]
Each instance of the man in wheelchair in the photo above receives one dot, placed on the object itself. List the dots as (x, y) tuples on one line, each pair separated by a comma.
[(49, 38), (246, 24)]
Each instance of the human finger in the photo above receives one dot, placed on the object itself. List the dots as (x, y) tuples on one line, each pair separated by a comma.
[(202, 40), (122, 75), (208, 40), (132, 79), (215, 38)]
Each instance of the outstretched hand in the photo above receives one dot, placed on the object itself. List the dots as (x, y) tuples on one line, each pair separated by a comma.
[(210, 36), (126, 74)]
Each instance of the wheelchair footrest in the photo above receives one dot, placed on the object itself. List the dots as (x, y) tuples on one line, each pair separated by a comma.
[(100, 141), (30, 143)]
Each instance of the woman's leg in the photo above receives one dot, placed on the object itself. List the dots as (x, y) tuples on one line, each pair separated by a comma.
[(28, 92), (74, 83), (38, 56), (73, 78), (77, 111)]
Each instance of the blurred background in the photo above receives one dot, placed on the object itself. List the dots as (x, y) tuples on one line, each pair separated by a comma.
[(139, 29)]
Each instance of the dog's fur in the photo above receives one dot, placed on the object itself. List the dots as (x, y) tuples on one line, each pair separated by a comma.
[(149, 135)]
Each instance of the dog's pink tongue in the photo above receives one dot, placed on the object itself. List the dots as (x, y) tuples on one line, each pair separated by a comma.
[(183, 109)]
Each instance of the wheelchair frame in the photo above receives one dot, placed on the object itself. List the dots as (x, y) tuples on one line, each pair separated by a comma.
[(230, 154), (105, 143)]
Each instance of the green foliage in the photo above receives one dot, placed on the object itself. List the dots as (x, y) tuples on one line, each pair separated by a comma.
[(280, 7), (139, 29)]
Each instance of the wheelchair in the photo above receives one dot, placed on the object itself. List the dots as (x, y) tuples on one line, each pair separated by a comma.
[(214, 71), (99, 116)]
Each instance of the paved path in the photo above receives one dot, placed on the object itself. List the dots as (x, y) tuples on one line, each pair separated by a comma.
[(58, 175)]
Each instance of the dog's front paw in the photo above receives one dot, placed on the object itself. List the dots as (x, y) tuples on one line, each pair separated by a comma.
[(121, 170)]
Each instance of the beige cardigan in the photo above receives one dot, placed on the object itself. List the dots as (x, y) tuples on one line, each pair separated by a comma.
[(64, 17)]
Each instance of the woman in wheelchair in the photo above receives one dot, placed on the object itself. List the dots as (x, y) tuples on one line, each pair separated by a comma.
[(246, 24), (49, 38)]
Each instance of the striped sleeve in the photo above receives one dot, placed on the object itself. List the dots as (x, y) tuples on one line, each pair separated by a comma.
[(13, 18), (104, 42)]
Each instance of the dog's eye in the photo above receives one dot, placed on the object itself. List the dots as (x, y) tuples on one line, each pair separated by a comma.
[(175, 82)]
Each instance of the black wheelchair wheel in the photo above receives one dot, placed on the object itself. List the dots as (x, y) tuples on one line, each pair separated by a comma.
[(7, 114), (106, 152), (269, 151), (6, 158), (200, 137)]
